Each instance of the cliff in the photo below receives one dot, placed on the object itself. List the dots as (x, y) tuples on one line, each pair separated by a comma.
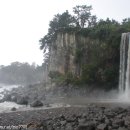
[(84, 58), (70, 51)]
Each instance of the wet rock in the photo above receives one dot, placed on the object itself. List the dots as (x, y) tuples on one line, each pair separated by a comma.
[(110, 114), (119, 122), (47, 105), (109, 127), (62, 117), (87, 126), (108, 122), (69, 127), (63, 123), (119, 110), (115, 126), (70, 119), (37, 126), (122, 128), (13, 109), (82, 121), (127, 121), (14, 98), (50, 127), (102, 127), (22, 100), (7, 97), (36, 103)]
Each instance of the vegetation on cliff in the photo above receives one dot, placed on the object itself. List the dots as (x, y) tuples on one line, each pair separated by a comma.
[(102, 66)]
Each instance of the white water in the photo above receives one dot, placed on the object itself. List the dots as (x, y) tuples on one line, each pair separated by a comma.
[(4, 88), (6, 106), (124, 79)]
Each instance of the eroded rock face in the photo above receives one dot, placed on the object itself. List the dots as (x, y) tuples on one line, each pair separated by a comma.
[(64, 53), (62, 56)]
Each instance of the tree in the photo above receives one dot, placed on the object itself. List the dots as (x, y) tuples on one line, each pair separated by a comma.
[(63, 20), (82, 15)]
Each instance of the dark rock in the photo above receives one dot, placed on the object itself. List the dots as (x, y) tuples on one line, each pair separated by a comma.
[(62, 117), (36, 103), (87, 126), (50, 127), (63, 123), (22, 100), (110, 114), (69, 127), (109, 127), (82, 127), (13, 98), (119, 110), (13, 109), (122, 128), (115, 126), (108, 122), (7, 97), (82, 121), (37, 126), (84, 115), (102, 127), (101, 119), (119, 122), (102, 108), (47, 105), (127, 121), (70, 119)]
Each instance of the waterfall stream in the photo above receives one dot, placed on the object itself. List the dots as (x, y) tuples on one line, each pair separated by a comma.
[(124, 79)]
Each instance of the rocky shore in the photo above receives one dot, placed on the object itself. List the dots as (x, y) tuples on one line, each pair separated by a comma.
[(83, 114), (91, 117), (40, 95)]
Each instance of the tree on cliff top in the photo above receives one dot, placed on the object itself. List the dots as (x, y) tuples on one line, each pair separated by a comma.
[(82, 18), (63, 20)]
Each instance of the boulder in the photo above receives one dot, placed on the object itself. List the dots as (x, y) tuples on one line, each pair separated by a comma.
[(22, 100), (102, 127), (7, 97), (36, 103), (13, 109)]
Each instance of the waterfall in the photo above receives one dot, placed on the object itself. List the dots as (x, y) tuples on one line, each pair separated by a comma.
[(124, 79)]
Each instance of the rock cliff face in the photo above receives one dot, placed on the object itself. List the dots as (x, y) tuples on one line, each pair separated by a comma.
[(67, 53)]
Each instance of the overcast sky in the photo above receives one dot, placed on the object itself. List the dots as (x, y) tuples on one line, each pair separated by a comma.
[(24, 22)]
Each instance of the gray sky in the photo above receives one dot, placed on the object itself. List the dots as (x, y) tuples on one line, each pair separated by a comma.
[(24, 22)]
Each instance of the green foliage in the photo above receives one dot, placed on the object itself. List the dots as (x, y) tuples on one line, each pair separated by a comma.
[(54, 74), (83, 16), (89, 73), (67, 78), (60, 21), (64, 20), (56, 77)]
